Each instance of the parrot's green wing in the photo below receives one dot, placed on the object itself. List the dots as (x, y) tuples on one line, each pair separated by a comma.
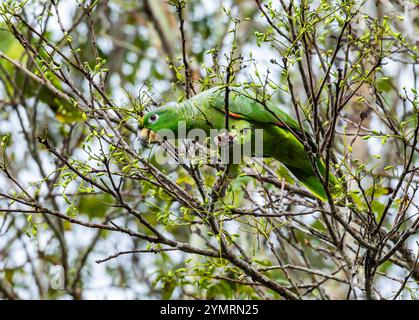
[(245, 106)]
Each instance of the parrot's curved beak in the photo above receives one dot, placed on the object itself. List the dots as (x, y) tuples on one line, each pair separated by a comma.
[(147, 137)]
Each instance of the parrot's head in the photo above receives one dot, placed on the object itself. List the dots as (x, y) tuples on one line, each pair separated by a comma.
[(153, 121)]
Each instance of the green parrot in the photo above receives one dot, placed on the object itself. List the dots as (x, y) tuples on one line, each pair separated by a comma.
[(206, 111)]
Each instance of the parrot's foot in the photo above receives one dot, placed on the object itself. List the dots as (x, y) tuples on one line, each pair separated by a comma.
[(224, 138)]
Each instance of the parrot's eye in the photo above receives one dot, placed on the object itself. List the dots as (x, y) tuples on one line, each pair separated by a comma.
[(153, 118)]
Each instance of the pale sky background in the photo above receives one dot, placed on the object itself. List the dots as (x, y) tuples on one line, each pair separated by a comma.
[(99, 283)]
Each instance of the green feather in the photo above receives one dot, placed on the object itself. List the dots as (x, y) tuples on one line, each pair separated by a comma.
[(281, 132)]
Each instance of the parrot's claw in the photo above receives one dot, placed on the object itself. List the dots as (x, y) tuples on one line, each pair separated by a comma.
[(224, 138)]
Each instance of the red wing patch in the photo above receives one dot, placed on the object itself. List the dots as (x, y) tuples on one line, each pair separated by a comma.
[(234, 115), (280, 124)]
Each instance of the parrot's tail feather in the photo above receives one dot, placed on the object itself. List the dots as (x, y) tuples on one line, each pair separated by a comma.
[(311, 182)]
